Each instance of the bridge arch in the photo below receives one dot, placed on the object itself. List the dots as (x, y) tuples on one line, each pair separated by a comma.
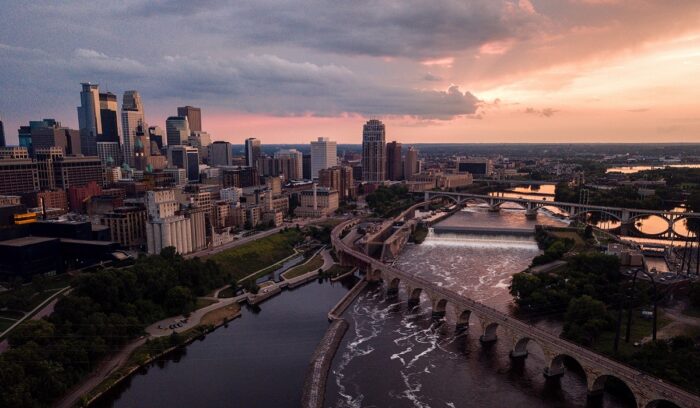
[(414, 296), (463, 319), (582, 212), (655, 224), (490, 332), (520, 347), (394, 284), (440, 306), (374, 274), (662, 403), (500, 201), (557, 366), (598, 386), (446, 196)]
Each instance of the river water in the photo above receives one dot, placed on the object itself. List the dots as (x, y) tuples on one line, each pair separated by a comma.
[(259, 360), (397, 356)]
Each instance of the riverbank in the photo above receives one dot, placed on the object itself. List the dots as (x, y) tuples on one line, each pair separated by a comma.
[(145, 350), (317, 374)]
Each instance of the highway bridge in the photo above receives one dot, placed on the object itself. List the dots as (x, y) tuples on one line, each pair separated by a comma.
[(492, 324), (626, 216)]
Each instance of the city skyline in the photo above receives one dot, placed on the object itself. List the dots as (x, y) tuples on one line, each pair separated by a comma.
[(498, 71)]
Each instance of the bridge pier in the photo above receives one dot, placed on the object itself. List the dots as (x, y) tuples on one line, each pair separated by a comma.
[(531, 214), (494, 209)]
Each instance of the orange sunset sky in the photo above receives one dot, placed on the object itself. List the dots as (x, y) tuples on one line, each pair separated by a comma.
[(492, 71)]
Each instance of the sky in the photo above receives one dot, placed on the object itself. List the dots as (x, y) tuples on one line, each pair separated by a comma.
[(285, 71)]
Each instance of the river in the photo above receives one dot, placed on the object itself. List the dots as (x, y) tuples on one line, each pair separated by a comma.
[(258, 360), (395, 356)]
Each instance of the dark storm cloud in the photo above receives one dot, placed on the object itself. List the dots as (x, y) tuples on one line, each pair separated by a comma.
[(407, 28), (264, 84)]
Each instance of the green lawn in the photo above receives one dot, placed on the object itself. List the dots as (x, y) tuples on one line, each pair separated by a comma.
[(243, 260), (227, 293), (641, 328), (201, 302), (312, 265)]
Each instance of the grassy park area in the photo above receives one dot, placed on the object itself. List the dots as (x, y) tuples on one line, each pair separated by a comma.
[(243, 260), (312, 265)]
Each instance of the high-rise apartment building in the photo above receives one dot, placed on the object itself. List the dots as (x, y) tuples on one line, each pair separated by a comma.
[(252, 152), (49, 133), (324, 154), (411, 164), (295, 166), (177, 129), (89, 120), (63, 172), (394, 165), (220, 154), (133, 117), (18, 175), (193, 115), (373, 151), (185, 157), (340, 179)]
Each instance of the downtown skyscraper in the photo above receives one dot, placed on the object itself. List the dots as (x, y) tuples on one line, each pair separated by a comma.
[(133, 121), (252, 151), (193, 115), (373, 151), (177, 130), (324, 154), (108, 146), (89, 120)]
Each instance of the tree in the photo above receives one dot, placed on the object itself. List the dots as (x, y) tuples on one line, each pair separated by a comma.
[(585, 319), (694, 294), (39, 331), (178, 300)]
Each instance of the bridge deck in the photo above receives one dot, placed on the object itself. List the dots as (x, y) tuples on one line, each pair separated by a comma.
[(583, 355)]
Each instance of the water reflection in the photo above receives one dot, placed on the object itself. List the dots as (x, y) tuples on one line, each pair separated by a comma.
[(637, 169)]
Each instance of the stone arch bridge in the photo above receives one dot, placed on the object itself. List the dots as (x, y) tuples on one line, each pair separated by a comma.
[(648, 391), (626, 216)]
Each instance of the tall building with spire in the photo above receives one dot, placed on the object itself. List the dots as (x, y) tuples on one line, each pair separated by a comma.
[(133, 117), (373, 151), (89, 121)]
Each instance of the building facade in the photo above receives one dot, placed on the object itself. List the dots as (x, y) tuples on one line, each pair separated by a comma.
[(373, 151), (193, 115), (252, 152), (89, 120), (394, 164), (177, 130), (324, 154), (133, 118)]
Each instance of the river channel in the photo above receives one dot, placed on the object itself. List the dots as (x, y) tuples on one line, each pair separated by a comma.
[(258, 360), (397, 356)]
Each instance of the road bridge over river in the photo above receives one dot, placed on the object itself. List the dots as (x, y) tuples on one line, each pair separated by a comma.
[(648, 391), (626, 216)]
